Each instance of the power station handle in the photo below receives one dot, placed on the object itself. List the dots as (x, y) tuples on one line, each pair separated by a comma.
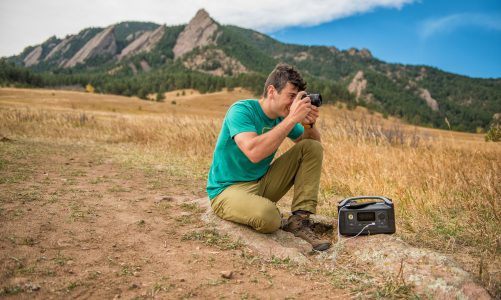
[(347, 200)]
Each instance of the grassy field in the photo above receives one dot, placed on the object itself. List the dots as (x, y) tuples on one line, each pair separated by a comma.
[(446, 185)]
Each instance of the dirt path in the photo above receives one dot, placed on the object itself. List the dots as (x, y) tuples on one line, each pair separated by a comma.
[(78, 224)]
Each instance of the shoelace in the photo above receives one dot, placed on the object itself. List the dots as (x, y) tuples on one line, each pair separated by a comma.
[(306, 227)]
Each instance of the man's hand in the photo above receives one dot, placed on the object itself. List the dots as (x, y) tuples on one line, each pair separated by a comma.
[(312, 116), (301, 108)]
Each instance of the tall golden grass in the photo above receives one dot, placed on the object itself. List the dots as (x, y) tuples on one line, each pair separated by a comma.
[(446, 186)]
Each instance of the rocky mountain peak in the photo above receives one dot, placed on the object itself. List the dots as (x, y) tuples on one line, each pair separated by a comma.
[(144, 43), (199, 32), (201, 15), (103, 43)]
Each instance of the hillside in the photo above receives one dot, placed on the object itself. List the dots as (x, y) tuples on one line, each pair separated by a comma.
[(136, 58)]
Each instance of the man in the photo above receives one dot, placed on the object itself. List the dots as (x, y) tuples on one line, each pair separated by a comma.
[(243, 184)]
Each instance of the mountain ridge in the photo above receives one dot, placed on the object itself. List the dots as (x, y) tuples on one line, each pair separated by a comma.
[(224, 55)]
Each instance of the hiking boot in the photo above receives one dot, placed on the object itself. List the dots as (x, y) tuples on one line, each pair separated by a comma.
[(300, 227)]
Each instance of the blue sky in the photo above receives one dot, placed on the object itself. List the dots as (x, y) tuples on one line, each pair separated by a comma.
[(462, 36)]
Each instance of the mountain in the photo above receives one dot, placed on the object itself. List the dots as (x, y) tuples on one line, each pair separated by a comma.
[(137, 58)]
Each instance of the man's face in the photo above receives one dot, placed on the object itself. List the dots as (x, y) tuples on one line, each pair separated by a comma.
[(284, 99)]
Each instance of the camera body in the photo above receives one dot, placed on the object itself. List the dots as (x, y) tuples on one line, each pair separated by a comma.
[(316, 99)]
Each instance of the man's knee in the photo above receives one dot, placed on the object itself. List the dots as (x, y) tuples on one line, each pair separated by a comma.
[(268, 219), (312, 146)]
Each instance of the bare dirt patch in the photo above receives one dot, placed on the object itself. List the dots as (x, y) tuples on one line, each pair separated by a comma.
[(76, 223)]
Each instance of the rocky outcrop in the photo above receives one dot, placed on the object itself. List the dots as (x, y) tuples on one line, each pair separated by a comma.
[(334, 50), (144, 43), (303, 55), (364, 53), (386, 257), (133, 68), (145, 66), (103, 43), (198, 33), (432, 103), (358, 84), (33, 57), (215, 62), (61, 47)]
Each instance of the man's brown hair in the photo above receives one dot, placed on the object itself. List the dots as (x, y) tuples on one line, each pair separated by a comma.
[(282, 74)]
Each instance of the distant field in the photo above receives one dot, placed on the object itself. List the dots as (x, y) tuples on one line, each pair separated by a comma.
[(446, 185)]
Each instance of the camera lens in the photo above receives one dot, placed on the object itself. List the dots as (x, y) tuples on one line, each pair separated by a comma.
[(316, 99)]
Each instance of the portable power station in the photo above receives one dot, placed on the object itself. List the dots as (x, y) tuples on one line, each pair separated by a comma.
[(366, 218)]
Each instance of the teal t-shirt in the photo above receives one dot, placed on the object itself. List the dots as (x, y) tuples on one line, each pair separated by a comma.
[(229, 163)]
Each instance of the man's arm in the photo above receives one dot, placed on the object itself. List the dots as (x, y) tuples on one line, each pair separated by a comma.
[(258, 147), (309, 133)]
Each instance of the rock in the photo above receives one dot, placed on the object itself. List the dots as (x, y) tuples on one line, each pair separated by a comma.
[(145, 66), (61, 47), (144, 43), (134, 286), (31, 287), (227, 274), (215, 57), (198, 33), (33, 57), (103, 43), (426, 96), (280, 244), (358, 84), (431, 274)]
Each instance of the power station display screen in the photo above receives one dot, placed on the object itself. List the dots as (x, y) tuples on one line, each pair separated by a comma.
[(366, 216)]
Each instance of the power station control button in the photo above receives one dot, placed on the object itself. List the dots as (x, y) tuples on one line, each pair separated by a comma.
[(381, 216), (350, 216)]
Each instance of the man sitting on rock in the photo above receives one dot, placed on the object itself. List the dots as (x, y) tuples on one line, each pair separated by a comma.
[(243, 183)]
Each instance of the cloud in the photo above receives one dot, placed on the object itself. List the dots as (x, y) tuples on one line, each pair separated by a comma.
[(270, 16), (28, 22), (453, 22)]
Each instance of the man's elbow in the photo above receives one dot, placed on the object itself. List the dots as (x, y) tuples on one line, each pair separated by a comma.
[(254, 158)]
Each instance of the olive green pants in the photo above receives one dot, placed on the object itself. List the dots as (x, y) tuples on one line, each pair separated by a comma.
[(254, 203)]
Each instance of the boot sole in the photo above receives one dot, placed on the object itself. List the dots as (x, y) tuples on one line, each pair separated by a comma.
[(322, 247)]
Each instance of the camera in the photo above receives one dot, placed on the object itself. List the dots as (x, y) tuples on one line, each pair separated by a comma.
[(316, 99)]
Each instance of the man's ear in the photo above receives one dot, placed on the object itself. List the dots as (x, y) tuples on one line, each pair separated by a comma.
[(271, 90)]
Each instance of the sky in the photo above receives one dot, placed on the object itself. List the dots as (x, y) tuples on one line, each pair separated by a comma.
[(461, 36)]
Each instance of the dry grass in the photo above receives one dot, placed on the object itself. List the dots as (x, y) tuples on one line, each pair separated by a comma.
[(446, 185)]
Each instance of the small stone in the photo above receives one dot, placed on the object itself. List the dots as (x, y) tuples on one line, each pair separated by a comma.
[(182, 280), (32, 287), (227, 274), (136, 274), (134, 286)]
